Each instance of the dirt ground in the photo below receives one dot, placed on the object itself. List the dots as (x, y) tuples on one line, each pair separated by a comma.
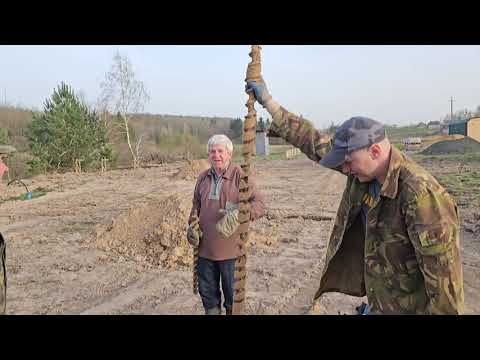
[(114, 243)]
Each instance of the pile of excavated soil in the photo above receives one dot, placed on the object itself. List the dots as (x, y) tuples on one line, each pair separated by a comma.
[(155, 235), (462, 146), (152, 234), (192, 169)]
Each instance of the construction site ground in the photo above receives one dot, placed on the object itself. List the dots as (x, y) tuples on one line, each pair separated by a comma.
[(113, 243)]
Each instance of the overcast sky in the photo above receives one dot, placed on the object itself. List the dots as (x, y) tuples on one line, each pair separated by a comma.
[(393, 84)]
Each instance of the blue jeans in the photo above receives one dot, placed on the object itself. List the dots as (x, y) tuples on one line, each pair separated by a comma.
[(210, 272)]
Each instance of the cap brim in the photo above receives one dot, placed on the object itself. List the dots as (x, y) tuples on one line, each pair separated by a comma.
[(334, 158)]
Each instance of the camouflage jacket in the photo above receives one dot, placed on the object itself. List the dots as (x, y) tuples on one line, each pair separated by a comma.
[(406, 260)]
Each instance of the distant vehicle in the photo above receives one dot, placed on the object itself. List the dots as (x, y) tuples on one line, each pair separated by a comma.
[(412, 143), (412, 140)]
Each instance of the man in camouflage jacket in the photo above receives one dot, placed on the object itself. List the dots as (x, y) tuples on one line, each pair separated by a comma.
[(396, 236)]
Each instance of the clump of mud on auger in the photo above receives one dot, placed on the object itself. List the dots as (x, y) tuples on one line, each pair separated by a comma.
[(192, 169), (153, 235)]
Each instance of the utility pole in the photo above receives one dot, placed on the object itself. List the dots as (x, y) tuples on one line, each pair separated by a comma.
[(451, 108)]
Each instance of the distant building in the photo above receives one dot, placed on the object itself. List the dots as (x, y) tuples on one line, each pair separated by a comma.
[(444, 129), (421, 125), (469, 127), (261, 143), (434, 125)]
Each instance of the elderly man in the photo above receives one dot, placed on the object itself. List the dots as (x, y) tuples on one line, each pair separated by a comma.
[(215, 203), (396, 235)]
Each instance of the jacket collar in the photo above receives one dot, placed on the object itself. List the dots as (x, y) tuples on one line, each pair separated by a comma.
[(227, 174), (390, 186)]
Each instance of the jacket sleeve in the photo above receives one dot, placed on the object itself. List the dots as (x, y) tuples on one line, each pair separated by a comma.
[(300, 133), (433, 227), (195, 202)]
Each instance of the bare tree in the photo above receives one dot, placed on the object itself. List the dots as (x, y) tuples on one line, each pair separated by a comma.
[(123, 94)]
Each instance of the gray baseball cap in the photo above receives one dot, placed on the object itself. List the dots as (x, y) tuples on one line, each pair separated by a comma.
[(354, 134)]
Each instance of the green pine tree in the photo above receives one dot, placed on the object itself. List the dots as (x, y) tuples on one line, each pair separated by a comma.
[(236, 128), (67, 130), (261, 124), (267, 123)]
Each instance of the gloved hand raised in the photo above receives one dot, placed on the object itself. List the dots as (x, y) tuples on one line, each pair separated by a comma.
[(259, 90), (228, 224)]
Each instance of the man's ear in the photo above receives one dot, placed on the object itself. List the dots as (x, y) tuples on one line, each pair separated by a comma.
[(376, 151)]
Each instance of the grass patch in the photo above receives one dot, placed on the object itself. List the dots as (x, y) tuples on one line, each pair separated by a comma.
[(465, 187), (458, 158)]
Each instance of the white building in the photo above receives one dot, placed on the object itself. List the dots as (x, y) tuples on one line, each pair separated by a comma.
[(261, 143)]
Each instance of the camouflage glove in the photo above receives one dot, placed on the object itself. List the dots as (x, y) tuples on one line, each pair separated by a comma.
[(260, 91), (263, 97), (227, 225), (194, 233)]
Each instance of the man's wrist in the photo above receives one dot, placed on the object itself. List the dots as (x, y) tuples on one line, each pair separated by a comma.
[(272, 106)]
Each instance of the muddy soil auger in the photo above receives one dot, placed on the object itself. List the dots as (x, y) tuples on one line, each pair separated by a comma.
[(248, 152), (254, 71)]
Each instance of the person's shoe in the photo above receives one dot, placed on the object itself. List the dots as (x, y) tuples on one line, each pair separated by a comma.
[(213, 311), (228, 312)]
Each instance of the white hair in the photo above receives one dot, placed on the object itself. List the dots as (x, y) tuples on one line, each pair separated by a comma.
[(220, 140)]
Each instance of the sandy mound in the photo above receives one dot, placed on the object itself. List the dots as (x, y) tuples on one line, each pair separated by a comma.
[(463, 146), (153, 234), (192, 169)]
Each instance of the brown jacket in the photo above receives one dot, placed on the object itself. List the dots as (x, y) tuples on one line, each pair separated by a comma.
[(213, 246)]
